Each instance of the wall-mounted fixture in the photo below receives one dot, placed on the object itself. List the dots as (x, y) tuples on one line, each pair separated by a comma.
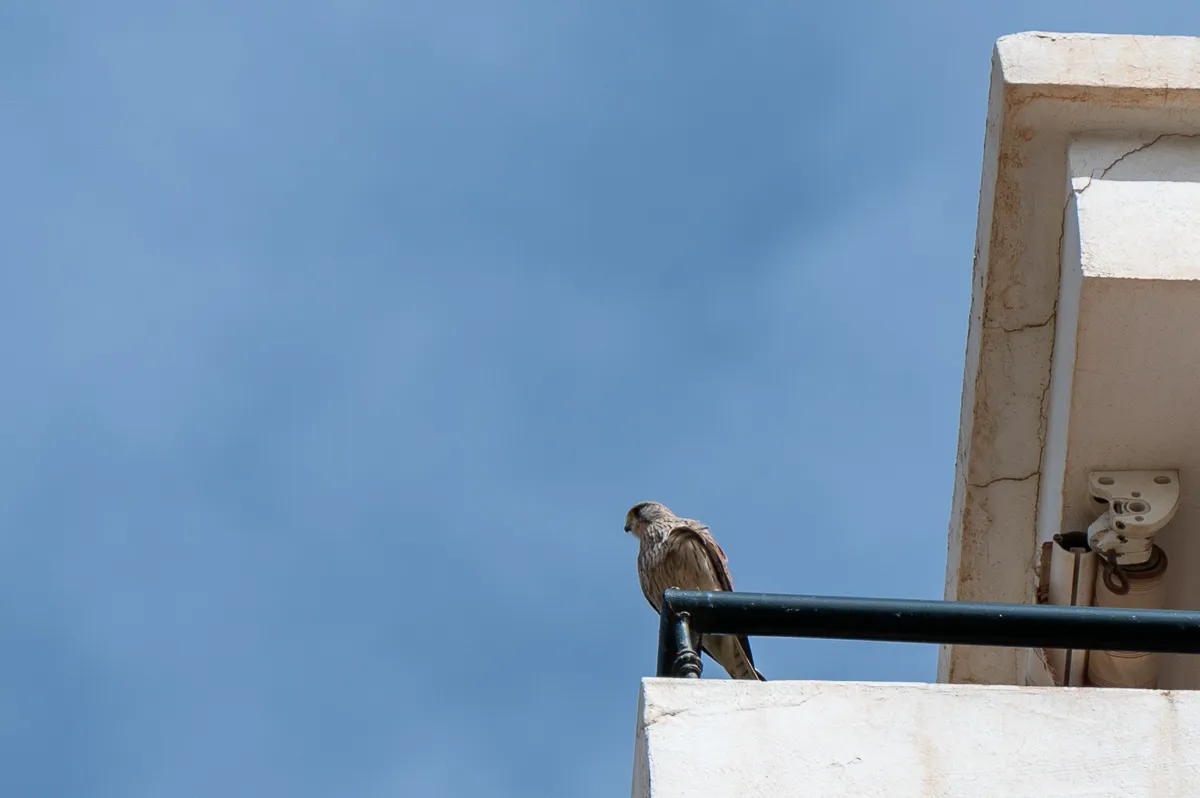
[(1116, 563), (1131, 569)]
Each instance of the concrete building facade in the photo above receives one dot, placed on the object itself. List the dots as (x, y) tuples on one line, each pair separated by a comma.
[(1079, 448)]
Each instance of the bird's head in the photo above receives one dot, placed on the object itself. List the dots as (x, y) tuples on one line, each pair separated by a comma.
[(644, 513)]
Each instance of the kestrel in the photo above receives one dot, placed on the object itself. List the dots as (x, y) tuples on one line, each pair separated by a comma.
[(681, 553)]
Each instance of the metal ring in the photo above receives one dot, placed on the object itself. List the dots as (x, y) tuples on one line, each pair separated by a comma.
[(1114, 575), (1155, 566)]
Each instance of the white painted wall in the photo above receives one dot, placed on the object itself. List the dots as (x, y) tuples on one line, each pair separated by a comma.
[(1062, 378), (1125, 392), (1083, 353), (854, 739)]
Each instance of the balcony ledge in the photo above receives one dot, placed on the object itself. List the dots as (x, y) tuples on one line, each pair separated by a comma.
[(723, 737)]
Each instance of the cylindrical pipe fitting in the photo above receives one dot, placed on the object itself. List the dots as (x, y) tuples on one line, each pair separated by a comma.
[(1142, 587), (1072, 583)]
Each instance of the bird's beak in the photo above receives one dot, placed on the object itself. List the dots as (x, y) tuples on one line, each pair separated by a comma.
[(629, 527)]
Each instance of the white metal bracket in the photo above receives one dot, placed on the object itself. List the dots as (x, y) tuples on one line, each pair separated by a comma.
[(1139, 504)]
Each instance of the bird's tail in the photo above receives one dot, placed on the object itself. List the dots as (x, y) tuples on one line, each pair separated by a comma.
[(733, 654)]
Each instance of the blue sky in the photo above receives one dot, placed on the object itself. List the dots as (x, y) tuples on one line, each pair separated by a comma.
[(340, 337)]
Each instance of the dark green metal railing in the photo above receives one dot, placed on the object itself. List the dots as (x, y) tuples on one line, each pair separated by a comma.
[(689, 614)]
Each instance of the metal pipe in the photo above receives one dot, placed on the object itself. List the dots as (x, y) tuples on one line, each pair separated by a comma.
[(687, 659), (666, 641), (913, 621)]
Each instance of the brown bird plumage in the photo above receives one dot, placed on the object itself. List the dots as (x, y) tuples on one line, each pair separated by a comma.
[(681, 553)]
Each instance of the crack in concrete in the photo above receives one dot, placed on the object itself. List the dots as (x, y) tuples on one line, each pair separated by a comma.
[(662, 715), (1062, 233), (1044, 417), (703, 712), (1033, 326), (994, 480), (1044, 421), (1134, 151)]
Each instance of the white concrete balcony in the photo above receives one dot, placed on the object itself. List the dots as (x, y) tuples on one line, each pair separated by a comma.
[(716, 737), (1083, 360), (1084, 339)]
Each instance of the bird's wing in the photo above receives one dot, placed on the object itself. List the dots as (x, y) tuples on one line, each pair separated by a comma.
[(694, 533), (677, 555)]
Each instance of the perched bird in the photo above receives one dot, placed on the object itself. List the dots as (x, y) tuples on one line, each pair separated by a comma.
[(680, 553)]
